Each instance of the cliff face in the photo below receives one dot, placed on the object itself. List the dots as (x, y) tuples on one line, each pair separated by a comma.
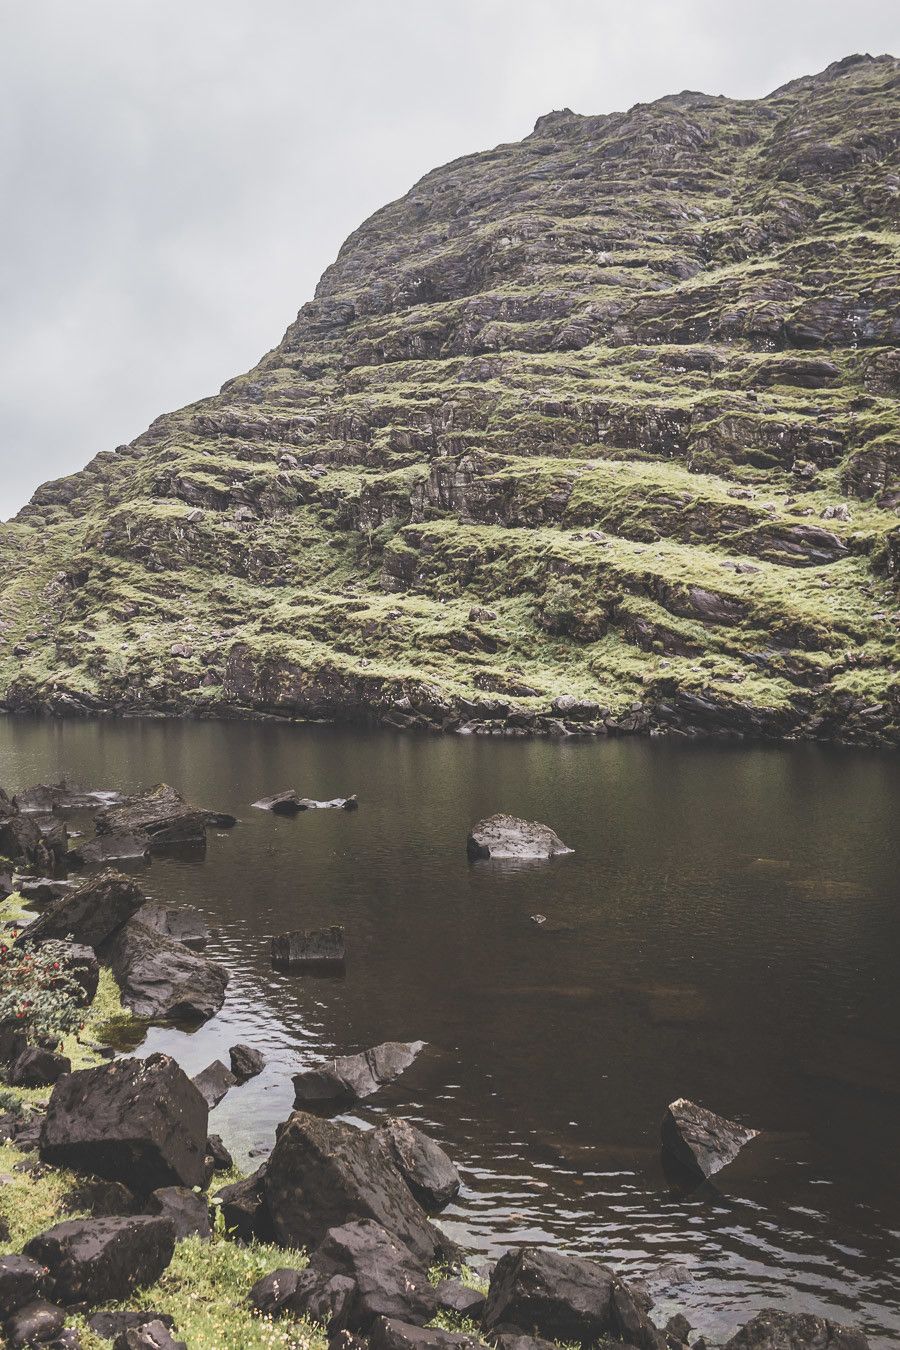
[(598, 429)]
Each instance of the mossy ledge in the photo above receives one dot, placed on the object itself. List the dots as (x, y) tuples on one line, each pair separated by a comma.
[(595, 432)]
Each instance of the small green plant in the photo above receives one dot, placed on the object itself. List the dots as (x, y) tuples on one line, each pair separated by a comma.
[(37, 992)]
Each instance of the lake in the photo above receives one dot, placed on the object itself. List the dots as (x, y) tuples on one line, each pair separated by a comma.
[(727, 929)]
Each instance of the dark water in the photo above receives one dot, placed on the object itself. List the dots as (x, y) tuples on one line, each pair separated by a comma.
[(727, 930)]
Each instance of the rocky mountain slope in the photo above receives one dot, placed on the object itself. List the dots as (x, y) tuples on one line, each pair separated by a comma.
[(598, 430)]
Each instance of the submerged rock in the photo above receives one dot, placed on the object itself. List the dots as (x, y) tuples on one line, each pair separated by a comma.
[(139, 1121), (105, 848), (509, 837), (309, 947), (701, 1141), (351, 1077)]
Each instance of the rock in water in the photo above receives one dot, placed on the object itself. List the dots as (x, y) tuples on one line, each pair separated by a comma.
[(773, 1329), (161, 979), (213, 1082), (246, 1062), (700, 1140), (181, 923), (63, 796), (322, 1174), (428, 1172), (160, 815), (95, 1260), (508, 837), (107, 848), (139, 1121), (304, 949), (282, 803), (351, 1077), (90, 913)]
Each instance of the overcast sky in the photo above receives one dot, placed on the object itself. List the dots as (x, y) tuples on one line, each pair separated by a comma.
[(177, 173)]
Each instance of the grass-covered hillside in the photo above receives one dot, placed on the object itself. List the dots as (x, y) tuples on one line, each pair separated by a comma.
[(599, 430)]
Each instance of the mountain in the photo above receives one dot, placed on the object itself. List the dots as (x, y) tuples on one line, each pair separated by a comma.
[(599, 430)]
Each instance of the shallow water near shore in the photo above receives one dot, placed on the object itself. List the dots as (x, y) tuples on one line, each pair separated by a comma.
[(727, 929)]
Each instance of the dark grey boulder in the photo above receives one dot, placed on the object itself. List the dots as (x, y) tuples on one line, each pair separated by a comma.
[(245, 1209), (282, 803), (21, 1281), (558, 1297), (20, 837), (387, 1279), (36, 1067), (272, 1293), (575, 709), (213, 1082), (154, 1335), (427, 1170), (52, 853), (246, 1062), (349, 1078), (307, 948), (220, 820), (508, 837), (390, 1334), (699, 1140), (516, 1340), (80, 962), (89, 913), (160, 815), (772, 1329), (95, 1260), (107, 848), (187, 1211), (322, 1174), (181, 923), (161, 979), (455, 1297), (678, 1328), (139, 1121), (42, 890), (222, 1160), (326, 1299), (35, 1324), (109, 1325)]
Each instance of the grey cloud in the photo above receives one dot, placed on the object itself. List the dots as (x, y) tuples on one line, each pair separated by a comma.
[(177, 175)]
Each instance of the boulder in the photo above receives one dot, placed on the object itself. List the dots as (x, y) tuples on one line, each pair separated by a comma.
[(153, 1335), (322, 1174), (387, 1280), (245, 1209), (52, 853), (213, 1082), (390, 1334), (678, 1329), (222, 1160), (508, 837), (455, 1297), (187, 1211), (425, 1167), (310, 947), (21, 1281), (271, 1294), (702, 1142), (282, 803), (140, 1121), (81, 964), (575, 709), (89, 913), (109, 1325), (37, 1067), (561, 1298), (351, 1077), (181, 923), (160, 815), (246, 1062), (326, 1299), (773, 1329), (35, 1324), (160, 978), (20, 837), (107, 848), (95, 1260), (43, 889)]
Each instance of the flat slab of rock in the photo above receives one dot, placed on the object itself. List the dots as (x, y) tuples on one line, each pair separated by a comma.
[(213, 1082), (428, 1172), (138, 1121), (160, 815), (701, 1141), (772, 1329), (349, 1078), (388, 1333), (508, 837), (322, 1174), (281, 803), (181, 923), (306, 948), (160, 978), (63, 796), (350, 803), (95, 1260), (89, 913), (42, 889), (106, 848)]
